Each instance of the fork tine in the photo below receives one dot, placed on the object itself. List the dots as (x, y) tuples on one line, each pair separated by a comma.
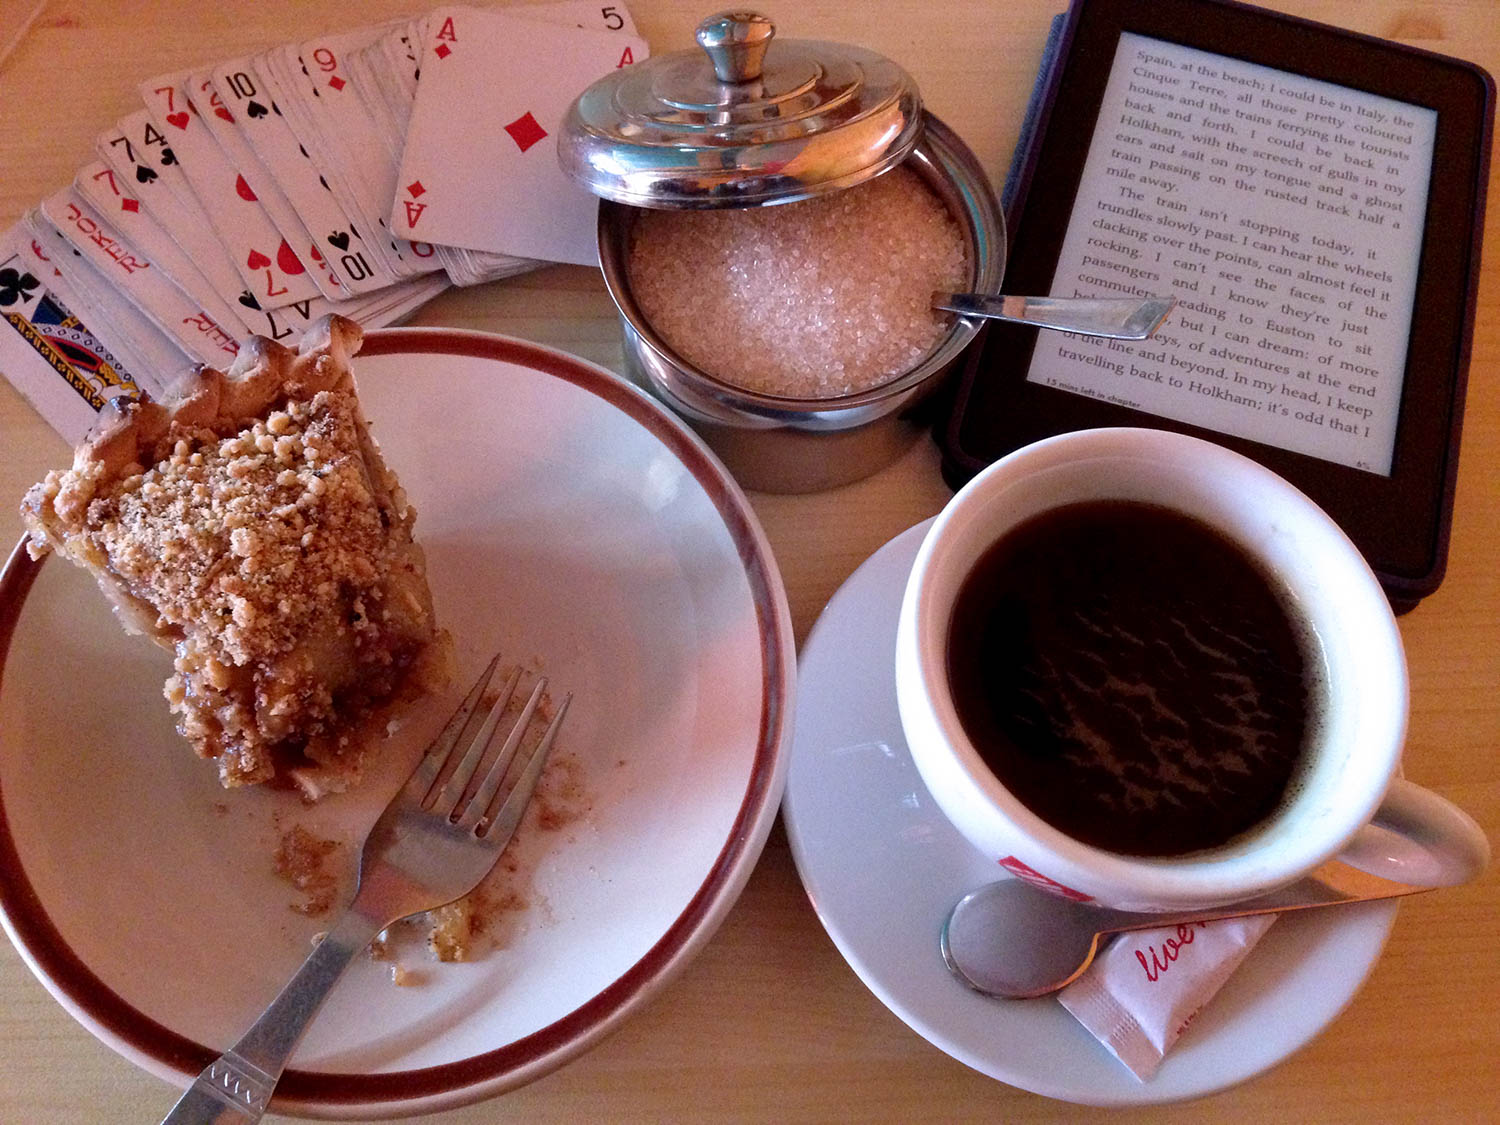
[(420, 782), (504, 823), (453, 789), (503, 761)]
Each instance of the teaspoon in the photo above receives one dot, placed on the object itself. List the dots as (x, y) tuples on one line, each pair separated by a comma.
[(1012, 940), (1129, 318)]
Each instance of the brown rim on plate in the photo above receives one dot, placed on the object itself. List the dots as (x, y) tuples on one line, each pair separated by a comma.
[(101, 1009)]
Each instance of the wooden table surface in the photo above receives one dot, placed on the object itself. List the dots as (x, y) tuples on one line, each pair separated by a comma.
[(769, 1023)]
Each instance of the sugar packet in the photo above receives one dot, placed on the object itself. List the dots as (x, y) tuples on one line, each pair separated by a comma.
[(1143, 991)]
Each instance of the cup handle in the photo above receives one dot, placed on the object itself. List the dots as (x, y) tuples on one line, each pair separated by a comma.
[(1419, 838)]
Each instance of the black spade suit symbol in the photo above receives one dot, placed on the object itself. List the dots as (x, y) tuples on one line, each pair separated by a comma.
[(143, 174), (167, 156), (255, 109), (340, 239), (247, 299)]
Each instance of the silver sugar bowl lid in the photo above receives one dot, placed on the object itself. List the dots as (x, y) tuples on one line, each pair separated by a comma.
[(749, 120)]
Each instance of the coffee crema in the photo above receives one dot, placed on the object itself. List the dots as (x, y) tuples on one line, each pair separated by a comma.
[(1132, 677)]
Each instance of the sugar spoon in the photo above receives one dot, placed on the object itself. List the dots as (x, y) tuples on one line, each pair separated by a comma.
[(1128, 318), (1012, 940)]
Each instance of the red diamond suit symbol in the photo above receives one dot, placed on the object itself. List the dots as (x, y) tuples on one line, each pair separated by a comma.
[(525, 131)]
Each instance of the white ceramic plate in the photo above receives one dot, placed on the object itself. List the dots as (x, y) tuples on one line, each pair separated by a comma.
[(883, 867), (569, 522)]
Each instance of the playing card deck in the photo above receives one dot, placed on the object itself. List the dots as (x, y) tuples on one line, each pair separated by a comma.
[(479, 168), (358, 172)]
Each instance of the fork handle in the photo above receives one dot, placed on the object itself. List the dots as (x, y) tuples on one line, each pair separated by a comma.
[(236, 1087)]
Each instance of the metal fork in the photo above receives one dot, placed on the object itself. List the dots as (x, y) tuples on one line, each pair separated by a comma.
[(424, 851)]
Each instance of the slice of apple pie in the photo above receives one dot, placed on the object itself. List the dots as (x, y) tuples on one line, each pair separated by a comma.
[(252, 527)]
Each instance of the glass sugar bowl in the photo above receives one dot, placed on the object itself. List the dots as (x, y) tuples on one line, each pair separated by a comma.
[(776, 217)]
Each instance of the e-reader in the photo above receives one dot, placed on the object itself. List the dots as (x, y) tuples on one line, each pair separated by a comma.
[(1314, 200)]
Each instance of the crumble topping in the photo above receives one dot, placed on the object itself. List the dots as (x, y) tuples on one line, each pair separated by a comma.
[(267, 531), (253, 527)]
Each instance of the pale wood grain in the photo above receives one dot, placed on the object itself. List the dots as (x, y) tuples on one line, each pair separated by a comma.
[(768, 1023)]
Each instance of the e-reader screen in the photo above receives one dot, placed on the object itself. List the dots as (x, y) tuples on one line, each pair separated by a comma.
[(1286, 215)]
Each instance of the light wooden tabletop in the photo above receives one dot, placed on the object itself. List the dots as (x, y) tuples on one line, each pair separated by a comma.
[(769, 1023)]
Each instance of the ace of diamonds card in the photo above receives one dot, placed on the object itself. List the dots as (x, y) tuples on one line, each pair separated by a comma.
[(480, 167)]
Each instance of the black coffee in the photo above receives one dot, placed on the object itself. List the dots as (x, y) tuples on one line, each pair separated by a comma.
[(1132, 677)]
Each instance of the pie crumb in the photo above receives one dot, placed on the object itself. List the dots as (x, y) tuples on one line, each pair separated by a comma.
[(310, 864)]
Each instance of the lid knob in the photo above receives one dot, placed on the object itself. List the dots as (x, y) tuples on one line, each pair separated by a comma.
[(740, 121), (736, 42)]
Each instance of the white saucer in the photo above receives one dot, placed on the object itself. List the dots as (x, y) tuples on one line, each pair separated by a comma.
[(883, 867)]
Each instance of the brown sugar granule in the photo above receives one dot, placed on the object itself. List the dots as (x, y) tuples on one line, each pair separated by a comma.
[(813, 299), (309, 863)]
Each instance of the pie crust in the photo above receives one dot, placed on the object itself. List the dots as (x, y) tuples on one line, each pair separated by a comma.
[(253, 528)]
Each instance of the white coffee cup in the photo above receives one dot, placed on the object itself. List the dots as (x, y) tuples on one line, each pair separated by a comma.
[(1348, 776)]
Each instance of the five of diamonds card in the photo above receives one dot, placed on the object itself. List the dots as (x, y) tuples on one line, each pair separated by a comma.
[(361, 172)]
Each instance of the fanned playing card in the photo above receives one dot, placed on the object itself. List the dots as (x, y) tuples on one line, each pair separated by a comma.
[(233, 207), (154, 359), (286, 77), (46, 350), (384, 72), (142, 283), (219, 121), (480, 164), (393, 62), (251, 99), (328, 114), (182, 218), (100, 187), (268, 274)]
